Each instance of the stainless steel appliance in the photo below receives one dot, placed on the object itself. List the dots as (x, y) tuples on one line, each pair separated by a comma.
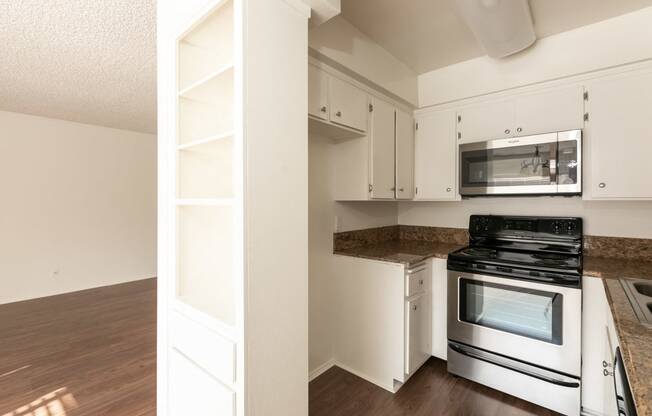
[(543, 164), (514, 308)]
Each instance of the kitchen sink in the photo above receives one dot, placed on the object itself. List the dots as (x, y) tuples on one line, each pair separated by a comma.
[(644, 288), (639, 293)]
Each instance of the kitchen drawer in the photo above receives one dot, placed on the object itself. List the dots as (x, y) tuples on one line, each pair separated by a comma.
[(416, 279)]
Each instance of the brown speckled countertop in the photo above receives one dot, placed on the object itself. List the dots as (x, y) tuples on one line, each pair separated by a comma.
[(404, 244), (401, 251), (635, 339)]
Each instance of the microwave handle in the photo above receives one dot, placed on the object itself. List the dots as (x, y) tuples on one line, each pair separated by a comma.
[(553, 163)]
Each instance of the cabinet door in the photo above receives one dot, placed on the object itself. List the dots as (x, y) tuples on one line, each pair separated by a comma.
[(436, 157), (417, 346), (619, 136), (556, 110), (494, 120), (404, 155), (349, 106), (609, 404), (382, 150), (317, 93)]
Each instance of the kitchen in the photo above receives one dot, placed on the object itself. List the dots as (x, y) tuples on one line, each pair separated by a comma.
[(497, 219)]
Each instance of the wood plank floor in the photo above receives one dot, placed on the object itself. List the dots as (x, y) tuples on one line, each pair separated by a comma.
[(89, 353), (430, 392)]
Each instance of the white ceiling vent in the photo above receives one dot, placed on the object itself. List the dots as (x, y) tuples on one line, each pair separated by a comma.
[(502, 27)]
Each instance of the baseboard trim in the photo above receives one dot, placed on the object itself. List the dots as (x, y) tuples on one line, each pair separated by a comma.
[(321, 369), (363, 376)]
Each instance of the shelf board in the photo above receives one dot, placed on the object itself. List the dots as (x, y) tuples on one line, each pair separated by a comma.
[(204, 202), (331, 130), (211, 80), (205, 140)]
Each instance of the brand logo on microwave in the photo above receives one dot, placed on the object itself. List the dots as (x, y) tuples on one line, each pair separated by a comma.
[(513, 141)]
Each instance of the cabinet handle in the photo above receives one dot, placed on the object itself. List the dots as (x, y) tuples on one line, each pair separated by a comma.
[(519, 129), (323, 109), (507, 131), (448, 189), (607, 373), (339, 114), (602, 185)]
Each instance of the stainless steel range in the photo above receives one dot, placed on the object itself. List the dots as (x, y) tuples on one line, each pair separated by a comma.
[(514, 308)]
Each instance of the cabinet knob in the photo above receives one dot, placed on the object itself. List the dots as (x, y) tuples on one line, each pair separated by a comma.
[(507, 131), (602, 185), (519, 129), (401, 189), (323, 109), (414, 308), (421, 282), (605, 364), (392, 188), (339, 114), (448, 189), (607, 373)]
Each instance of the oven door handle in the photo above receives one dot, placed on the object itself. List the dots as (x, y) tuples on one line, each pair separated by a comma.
[(510, 364)]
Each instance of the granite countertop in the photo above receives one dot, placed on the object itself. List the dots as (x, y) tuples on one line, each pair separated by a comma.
[(401, 251), (635, 339)]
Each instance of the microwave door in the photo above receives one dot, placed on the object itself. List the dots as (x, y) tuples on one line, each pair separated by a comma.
[(522, 165)]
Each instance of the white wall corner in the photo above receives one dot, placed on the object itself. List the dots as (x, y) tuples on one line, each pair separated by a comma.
[(323, 10), (341, 42)]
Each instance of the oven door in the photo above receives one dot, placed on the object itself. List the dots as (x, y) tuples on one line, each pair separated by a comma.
[(522, 165), (532, 322)]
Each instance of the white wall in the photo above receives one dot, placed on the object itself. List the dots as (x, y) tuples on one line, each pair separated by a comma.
[(605, 218), (79, 206), (620, 40), (343, 43)]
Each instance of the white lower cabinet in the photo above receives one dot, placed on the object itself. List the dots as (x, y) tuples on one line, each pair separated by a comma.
[(417, 338), (383, 322), (599, 342)]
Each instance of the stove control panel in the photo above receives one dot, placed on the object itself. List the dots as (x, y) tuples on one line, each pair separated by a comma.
[(525, 227)]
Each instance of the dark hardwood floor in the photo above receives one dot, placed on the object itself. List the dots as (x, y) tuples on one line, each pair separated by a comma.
[(430, 392), (89, 353), (93, 353)]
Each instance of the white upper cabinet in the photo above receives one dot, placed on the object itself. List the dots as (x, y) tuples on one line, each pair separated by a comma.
[(318, 93), (555, 110), (485, 121), (543, 112), (382, 150), (349, 106), (435, 156), (404, 155), (619, 137)]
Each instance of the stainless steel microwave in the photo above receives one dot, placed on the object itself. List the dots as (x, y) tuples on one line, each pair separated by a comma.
[(543, 164)]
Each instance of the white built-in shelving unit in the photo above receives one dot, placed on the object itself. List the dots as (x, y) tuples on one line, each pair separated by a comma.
[(205, 167), (232, 260)]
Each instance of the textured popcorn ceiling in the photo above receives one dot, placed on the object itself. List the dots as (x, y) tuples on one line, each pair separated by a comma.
[(90, 61)]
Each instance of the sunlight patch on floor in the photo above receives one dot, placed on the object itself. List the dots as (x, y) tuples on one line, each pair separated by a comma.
[(51, 404)]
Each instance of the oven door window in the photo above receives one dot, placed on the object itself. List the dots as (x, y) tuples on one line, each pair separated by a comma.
[(524, 165), (530, 313)]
